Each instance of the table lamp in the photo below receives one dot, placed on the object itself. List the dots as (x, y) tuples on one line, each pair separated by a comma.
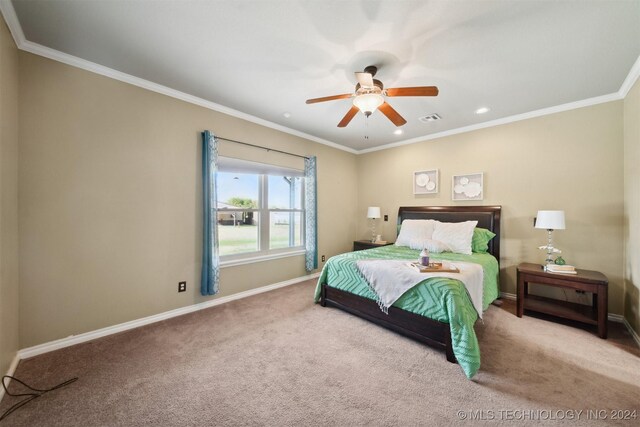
[(373, 213), (550, 220)]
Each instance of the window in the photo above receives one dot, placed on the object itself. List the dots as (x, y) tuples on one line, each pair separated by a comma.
[(259, 213), (238, 213), (285, 211)]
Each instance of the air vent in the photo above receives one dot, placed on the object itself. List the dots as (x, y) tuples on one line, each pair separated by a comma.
[(430, 118)]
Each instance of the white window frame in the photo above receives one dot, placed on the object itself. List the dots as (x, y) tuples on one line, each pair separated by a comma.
[(264, 253)]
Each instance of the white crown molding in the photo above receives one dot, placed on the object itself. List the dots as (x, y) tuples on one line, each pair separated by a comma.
[(110, 330), (502, 121), (11, 19), (16, 30), (631, 79), (626, 86), (74, 61)]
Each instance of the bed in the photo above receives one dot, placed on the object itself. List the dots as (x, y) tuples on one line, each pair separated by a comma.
[(436, 312)]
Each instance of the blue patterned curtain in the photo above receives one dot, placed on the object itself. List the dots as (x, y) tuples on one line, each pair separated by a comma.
[(210, 258), (311, 213)]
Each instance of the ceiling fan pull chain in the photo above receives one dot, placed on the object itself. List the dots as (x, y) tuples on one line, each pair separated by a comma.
[(366, 127)]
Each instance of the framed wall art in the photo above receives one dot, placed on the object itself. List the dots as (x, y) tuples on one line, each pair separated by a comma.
[(467, 187), (425, 182)]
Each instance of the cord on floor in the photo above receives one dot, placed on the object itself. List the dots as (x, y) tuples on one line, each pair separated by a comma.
[(30, 396)]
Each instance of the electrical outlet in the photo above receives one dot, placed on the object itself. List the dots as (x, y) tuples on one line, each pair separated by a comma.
[(386, 217), (182, 286), (324, 258)]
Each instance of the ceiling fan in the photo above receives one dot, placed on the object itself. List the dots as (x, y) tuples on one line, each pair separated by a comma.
[(369, 96)]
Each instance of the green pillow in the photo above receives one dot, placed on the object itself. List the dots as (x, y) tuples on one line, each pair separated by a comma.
[(480, 240)]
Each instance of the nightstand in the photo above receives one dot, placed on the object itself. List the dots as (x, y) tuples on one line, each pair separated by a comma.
[(586, 281), (359, 245)]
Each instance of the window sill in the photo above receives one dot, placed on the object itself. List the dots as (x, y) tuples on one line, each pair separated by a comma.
[(261, 258)]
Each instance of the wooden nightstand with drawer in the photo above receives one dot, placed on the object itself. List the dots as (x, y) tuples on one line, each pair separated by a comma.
[(359, 245)]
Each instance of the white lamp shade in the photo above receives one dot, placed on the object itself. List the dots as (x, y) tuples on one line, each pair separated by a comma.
[(373, 212), (368, 102), (550, 220)]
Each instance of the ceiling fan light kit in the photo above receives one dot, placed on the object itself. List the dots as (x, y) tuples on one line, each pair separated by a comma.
[(368, 102), (370, 94)]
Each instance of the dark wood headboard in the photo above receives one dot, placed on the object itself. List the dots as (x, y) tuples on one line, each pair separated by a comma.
[(487, 216)]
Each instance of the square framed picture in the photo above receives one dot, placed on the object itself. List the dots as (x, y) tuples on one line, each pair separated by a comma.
[(467, 187), (425, 182)]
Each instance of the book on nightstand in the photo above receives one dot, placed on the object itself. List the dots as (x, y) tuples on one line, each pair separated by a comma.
[(563, 269)]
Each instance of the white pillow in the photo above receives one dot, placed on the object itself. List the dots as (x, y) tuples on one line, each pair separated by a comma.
[(457, 235), (415, 231), (434, 246)]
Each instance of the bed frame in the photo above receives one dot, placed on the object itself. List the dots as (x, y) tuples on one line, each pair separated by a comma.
[(425, 330)]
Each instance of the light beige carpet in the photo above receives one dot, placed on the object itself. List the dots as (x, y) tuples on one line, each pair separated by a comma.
[(278, 359)]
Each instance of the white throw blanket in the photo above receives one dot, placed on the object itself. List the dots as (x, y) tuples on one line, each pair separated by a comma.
[(390, 279)]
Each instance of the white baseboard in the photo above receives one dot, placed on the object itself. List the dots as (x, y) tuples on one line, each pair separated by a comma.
[(616, 318), (612, 317), (88, 336), (110, 330), (507, 295), (633, 333), (12, 369)]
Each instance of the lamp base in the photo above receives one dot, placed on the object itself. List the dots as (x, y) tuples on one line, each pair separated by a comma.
[(550, 249), (373, 230)]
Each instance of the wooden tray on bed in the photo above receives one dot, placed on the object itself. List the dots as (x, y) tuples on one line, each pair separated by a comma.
[(433, 268)]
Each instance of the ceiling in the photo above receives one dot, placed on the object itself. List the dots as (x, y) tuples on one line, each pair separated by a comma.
[(265, 58)]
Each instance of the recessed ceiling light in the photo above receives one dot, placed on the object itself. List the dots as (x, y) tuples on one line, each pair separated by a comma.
[(397, 132), (286, 115), (482, 110)]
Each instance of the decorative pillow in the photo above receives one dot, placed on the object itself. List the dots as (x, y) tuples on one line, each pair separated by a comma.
[(457, 235), (481, 239), (415, 231)]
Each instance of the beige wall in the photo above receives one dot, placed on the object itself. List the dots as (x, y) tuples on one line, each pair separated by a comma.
[(110, 199), (110, 196), (570, 161), (8, 198), (632, 206)]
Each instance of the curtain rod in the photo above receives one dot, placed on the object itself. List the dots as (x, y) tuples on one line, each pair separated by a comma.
[(259, 146)]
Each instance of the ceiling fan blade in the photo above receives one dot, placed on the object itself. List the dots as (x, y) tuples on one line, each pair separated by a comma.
[(413, 91), (365, 79), (347, 117), (392, 114), (329, 98)]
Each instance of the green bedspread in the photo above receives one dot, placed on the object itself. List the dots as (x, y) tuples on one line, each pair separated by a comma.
[(442, 299)]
